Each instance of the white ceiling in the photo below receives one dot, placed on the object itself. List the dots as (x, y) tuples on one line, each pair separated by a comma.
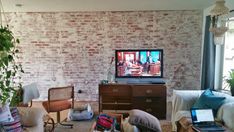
[(103, 5)]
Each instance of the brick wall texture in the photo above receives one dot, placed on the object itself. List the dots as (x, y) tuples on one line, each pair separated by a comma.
[(75, 48)]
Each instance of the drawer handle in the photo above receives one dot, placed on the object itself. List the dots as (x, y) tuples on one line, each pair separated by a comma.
[(149, 91), (115, 90), (149, 110), (148, 100)]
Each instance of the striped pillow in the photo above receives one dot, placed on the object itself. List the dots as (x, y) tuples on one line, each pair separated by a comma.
[(5, 114), (14, 126)]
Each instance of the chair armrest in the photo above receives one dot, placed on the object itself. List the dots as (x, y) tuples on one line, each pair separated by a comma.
[(32, 117), (182, 100)]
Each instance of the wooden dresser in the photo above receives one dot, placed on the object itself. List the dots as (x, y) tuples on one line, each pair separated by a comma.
[(147, 97)]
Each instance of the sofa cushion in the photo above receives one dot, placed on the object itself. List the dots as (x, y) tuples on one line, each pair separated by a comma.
[(15, 125), (144, 121), (208, 100)]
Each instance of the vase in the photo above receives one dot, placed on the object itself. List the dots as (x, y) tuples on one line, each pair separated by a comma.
[(110, 77)]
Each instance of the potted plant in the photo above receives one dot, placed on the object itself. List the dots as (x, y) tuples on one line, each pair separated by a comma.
[(230, 81), (10, 70)]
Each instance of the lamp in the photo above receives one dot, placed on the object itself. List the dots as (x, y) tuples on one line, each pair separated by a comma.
[(218, 21)]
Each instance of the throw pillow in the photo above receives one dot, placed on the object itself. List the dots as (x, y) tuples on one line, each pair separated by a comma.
[(144, 121), (208, 100), (5, 114), (14, 126)]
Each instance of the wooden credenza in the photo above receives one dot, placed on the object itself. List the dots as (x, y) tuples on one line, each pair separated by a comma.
[(147, 97)]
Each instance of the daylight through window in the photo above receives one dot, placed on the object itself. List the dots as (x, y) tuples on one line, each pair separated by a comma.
[(228, 64)]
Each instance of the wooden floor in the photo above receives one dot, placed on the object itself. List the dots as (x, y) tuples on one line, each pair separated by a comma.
[(94, 105), (63, 114)]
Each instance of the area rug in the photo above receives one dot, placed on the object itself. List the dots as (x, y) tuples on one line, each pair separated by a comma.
[(85, 126)]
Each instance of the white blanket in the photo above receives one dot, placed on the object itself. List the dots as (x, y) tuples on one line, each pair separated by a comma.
[(182, 101), (30, 92)]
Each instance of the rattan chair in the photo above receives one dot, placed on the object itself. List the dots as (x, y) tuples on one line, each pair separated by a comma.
[(59, 99)]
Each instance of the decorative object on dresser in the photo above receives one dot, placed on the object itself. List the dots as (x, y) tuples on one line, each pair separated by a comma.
[(147, 97)]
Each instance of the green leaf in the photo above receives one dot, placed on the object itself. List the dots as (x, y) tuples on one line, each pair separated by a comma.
[(17, 41), (8, 83), (5, 61), (10, 57), (8, 74), (8, 67)]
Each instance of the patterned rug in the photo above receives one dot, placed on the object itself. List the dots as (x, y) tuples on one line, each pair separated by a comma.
[(85, 126)]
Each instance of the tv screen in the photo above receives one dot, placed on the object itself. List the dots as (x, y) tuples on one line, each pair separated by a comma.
[(139, 63)]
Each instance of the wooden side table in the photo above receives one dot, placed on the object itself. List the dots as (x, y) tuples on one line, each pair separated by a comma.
[(185, 125)]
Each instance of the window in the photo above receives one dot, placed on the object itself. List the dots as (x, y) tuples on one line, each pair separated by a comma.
[(228, 63)]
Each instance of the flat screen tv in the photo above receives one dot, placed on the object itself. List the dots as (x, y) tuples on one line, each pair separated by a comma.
[(139, 63)]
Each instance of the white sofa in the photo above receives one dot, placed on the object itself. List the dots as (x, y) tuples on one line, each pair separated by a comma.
[(183, 100)]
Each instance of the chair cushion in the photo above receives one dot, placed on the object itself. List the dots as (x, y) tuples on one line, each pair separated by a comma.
[(57, 105), (208, 100), (145, 121)]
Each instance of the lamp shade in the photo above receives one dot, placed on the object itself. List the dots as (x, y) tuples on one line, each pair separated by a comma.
[(219, 8), (218, 21)]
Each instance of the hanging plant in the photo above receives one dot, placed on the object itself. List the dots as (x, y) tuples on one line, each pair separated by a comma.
[(10, 85)]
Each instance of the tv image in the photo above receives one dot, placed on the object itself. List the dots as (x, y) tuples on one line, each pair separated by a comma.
[(139, 63)]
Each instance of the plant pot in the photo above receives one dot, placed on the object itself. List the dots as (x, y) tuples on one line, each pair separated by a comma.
[(232, 91)]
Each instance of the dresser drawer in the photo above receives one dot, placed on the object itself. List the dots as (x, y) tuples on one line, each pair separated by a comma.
[(107, 99), (126, 106), (149, 101), (115, 90), (141, 90), (108, 106), (158, 112)]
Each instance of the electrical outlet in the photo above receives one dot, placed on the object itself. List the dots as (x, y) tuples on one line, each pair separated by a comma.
[(79, 91)]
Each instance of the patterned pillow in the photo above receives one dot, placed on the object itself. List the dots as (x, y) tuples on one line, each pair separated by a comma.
[(14, 126), (5, 114)]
